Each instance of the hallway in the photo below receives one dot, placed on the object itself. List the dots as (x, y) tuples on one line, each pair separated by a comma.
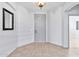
[(22, 26), (44, 50)]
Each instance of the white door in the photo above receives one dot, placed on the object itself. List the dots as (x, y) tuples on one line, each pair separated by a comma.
[(40, 27), (74, 31)]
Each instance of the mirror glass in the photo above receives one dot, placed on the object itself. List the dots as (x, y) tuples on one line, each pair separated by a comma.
[(8, 21)]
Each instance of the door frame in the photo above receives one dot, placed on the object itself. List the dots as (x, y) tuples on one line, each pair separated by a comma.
[(46, 25), (69, 28)]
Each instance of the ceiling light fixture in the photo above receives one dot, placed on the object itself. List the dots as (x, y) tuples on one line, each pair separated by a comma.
[(40, 4)]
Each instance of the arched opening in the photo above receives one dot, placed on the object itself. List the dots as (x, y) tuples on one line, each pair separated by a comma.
[(73, 26)]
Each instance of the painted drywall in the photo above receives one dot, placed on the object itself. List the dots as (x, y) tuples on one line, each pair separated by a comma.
[(58, 25), (25, 26), (23, 32), (55, 28), (7, 38)]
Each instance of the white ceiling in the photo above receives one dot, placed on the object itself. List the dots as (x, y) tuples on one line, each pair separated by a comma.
[(31, 6)]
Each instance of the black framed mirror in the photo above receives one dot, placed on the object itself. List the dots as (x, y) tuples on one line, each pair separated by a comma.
[(8, 20)]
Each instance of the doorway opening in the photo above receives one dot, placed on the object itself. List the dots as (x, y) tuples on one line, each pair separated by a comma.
[(73, 26), (74, 31)]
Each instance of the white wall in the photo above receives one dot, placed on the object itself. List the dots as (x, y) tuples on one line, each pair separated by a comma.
[(55, 27), (23, 32), (58, 25), (25, 26), (8, 40)]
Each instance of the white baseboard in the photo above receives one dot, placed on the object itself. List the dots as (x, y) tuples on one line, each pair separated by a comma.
[(5, 54), (9, 52)]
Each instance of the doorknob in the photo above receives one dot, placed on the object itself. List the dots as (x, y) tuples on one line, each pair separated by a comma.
[(35, 31)]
